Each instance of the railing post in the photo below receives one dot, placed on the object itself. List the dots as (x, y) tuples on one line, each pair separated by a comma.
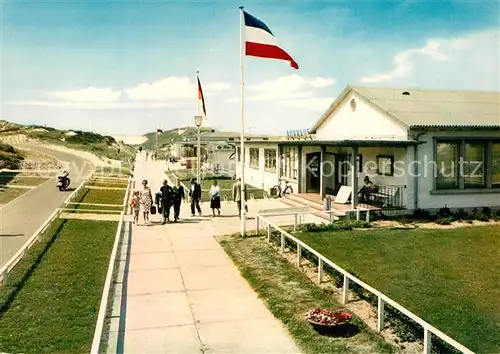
[(357, 214), (368, 216), (295, 222), (282, 249), (345, 290), (380, 317), (320, 270), (268, 233), (257, 224), (299, 254), (427, 341), (5, 279)]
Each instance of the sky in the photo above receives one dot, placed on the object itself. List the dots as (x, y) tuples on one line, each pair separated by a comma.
[(129, 67)]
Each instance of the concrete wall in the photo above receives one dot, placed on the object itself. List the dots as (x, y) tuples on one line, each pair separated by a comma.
[(365, 123), (456, 198), (259, 177)]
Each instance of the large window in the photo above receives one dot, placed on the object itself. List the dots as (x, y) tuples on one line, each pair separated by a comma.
[(270, 159), (466, 164), (289, 162), (254, 157), (495, 165), (385, 165)]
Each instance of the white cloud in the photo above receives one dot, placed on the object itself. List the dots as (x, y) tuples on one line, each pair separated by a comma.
[(469, 62), (172, 88), (287, 87), (90, 105), (89, 94), (442, 53), (319, 104)]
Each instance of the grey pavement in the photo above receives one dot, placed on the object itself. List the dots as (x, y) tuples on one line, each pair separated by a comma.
[(23, 216), (178, 291)]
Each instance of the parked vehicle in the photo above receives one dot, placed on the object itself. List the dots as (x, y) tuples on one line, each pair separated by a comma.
[(281, 189)]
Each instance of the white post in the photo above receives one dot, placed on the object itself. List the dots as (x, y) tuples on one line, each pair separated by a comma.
[(345, 290), (299, 254), (427, 341), (282, 249), (380, 317), (320, 271), (295, 222), (268, 232), (242, 122), (198, 148)]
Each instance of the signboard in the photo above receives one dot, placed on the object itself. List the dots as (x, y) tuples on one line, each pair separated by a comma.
[(298, 134)]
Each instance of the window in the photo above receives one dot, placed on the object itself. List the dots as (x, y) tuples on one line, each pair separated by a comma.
[(447, 165), (473, 165), (467, 164), (495, 164), (289, 162), (270, 159), (385, 165), (238, 154), (254, 157)]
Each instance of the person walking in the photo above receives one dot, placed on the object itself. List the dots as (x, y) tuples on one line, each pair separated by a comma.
[(215, 198), (237, 196), (178, 196), (135, 205), (195, 196), (146, 201), (147, 153), (167, 196)]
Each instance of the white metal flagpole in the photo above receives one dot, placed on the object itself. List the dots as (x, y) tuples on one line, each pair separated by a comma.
[(198, 144), (242, 142)]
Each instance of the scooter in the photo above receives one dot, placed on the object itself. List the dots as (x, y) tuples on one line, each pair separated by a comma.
[(62, 182)]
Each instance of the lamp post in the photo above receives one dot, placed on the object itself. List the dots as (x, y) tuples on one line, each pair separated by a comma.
[(197, 121)]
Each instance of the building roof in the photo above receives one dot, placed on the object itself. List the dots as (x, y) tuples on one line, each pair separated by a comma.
[(419, 108)]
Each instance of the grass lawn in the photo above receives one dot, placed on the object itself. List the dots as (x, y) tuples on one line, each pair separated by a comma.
[(23, 181), (52, 301), (448, 277), (114, 184), (9, 194), (289, 294), (103, 196)]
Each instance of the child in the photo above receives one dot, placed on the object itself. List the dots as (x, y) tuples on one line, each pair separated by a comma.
[(135, 204)]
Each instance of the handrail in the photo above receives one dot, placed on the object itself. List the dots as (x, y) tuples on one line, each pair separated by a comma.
[(11, 263), (101, 317), (382, 298)]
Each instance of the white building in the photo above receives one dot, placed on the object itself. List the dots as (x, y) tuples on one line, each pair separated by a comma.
[(423, 149)]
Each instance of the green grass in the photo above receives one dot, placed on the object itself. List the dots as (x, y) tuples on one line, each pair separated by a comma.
[(52, 301), (9, 194), (102, 196), (448, 277), (22, 181), (288, 294)]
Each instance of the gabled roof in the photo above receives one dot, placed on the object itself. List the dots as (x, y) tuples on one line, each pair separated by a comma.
[(419, 108)]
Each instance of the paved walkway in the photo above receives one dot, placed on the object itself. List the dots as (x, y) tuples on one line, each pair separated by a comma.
[(182, 294)]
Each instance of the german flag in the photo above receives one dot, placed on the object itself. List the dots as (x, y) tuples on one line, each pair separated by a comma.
[(201, 98)]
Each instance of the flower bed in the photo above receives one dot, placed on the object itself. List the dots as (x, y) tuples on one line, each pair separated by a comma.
[(323, 317)]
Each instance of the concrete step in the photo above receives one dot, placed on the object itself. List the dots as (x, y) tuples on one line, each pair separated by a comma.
[(295, 203)]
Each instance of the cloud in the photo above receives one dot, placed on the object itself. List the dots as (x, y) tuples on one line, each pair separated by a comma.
[(89, 94), (319, 104), (171, 89), (90, 105), (437, 52), (288, 87), (468, 62)]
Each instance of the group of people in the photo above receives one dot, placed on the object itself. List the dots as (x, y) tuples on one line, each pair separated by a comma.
[(172, 196)]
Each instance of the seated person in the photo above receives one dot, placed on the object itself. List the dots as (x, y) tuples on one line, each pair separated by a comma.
[(367, 189)]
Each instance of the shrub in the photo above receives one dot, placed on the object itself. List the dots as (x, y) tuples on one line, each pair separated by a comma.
[(444, 212), (461, 214), (341, 225), (486, 211), (422, 214), (496, 215), (446, 220), (478, 215)]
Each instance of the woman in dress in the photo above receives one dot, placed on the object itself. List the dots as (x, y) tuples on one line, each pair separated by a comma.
[(215, 198), (146, 200)]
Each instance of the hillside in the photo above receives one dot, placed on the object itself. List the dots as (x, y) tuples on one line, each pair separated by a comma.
[(10, 158), (100, 145), (171, 136)]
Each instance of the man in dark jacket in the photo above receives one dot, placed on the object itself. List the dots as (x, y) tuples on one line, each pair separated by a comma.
[(167, 198), (179, 196), (195, 195)]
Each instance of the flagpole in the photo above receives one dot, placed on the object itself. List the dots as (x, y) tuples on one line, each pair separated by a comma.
[(242, 122), (198, 133)]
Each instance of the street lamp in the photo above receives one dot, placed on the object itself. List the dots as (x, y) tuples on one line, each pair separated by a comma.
[(197, 121)]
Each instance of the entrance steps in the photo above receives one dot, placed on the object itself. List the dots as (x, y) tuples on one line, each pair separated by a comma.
[(296, 200)]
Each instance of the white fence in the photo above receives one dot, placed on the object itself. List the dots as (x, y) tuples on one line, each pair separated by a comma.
[(101, 317), (382, 299), (23, 251)]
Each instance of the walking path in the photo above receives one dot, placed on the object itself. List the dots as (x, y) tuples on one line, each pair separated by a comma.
[(182, 294)]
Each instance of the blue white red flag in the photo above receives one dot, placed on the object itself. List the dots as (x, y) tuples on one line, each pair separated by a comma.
[(260, 41)]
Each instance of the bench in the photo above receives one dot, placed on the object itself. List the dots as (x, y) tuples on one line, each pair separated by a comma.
[(385, 195)]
